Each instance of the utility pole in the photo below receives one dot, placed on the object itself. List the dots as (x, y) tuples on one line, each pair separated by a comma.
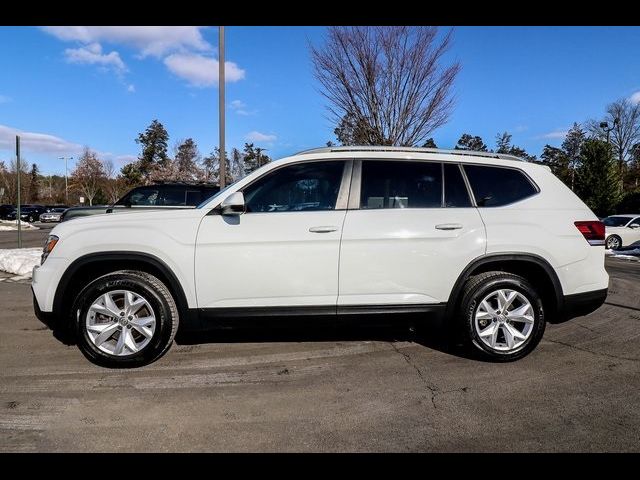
[(18, 174), (223, 156), (66, 180)]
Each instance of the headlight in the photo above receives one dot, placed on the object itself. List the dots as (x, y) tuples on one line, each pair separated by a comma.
[(48, 247)]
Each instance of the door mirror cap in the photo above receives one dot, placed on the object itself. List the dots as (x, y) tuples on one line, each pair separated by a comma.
[(233, 204)]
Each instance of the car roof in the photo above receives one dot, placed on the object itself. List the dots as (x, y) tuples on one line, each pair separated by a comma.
[(438, 151), (626, 215)]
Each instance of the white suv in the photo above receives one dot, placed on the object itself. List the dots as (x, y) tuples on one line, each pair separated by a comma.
[(493, 245)]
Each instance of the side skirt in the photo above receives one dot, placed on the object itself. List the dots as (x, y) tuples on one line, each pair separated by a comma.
[(243, 317)]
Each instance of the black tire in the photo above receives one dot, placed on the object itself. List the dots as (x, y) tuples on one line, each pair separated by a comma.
[(160, 300), (30, 219), (614, 242), (475, 290)]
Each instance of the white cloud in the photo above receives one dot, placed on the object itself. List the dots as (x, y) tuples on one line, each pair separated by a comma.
[(131, 88), (240, 107), (556, 134), (92, 55), (635, 98), (36, 142), (201, 71), (521, 128), (154, 41), (259, 137), (4, 99)]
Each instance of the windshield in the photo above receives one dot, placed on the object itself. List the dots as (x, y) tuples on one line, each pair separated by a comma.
[(616, 221), (207, 200)]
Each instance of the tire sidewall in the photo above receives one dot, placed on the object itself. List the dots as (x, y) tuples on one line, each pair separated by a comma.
[(484, 289), (111, 282)]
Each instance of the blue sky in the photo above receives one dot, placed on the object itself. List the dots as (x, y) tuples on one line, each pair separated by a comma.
[(65, 87)]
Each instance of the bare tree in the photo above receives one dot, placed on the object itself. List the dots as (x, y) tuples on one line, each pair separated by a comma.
[(114, 185), (386, 85), (88, 175), (624, 116)]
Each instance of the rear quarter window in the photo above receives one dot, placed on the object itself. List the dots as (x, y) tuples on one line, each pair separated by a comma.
[(497, 186)]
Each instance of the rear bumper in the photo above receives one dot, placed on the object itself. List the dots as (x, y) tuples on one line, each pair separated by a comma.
[(584, 303)]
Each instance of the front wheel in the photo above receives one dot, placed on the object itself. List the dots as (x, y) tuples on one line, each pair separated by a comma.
[(125, 319), (503, 316)]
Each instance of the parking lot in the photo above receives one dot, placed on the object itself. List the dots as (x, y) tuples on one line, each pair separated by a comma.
[(326, 389)]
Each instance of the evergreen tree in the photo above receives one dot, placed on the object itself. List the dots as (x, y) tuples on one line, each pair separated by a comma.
[(571, 147), (598, 176), (34, 184), (429, 143), (186, 161), (154, 143), (467, 142), (558, 161), (503, 145)]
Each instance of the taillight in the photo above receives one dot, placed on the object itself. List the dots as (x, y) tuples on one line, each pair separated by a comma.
[(592, 231)]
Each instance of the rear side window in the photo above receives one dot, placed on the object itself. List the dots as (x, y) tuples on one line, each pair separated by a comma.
[(497, 186), (398, 184), (455, 190)]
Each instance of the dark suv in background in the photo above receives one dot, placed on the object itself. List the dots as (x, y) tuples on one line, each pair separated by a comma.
[(152, 197)]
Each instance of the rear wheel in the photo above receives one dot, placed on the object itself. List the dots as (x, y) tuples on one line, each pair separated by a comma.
[(125, 319), (614, 242), (503, 316)]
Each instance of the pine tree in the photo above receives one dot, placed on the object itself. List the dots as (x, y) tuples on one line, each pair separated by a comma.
[(558, 161), (571, 147), (467, 142), (598, 177), (154, 143), (186, 161), (429, 143), (34, 184)]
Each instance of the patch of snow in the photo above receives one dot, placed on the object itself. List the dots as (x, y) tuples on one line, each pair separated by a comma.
[(631, 254), (19, 261), (9, 225)]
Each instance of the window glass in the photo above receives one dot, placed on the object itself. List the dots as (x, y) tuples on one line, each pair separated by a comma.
[(455, 190), (172, 196), (397, 184), (194, 197), (299, 187), (496, 186), (140, 196), (616, 221)]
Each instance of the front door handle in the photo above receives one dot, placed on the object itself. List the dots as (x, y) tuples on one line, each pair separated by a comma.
[(449, 226), (324, 229)]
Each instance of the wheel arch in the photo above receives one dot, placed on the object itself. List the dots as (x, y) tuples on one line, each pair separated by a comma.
[(533, 267), (91, 266)]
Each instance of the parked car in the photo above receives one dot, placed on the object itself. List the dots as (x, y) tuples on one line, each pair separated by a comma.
[(166, 195), (622, 230), (491, 245), (28, 213), (49, 208), (53, 215), (5, 210)]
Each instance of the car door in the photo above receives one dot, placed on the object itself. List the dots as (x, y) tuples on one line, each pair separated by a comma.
[(407, 234), (283, 251), (632, 234)]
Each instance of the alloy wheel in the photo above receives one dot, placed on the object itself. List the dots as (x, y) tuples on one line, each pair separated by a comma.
[(120, 322)]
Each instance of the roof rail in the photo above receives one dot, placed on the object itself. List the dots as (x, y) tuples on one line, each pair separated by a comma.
[(368, 148)]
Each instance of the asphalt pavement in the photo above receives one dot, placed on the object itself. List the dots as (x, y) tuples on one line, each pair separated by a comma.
[(323, 390)]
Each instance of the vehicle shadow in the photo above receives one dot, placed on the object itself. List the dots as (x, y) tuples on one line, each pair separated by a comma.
[(296, 330), (429, 336)]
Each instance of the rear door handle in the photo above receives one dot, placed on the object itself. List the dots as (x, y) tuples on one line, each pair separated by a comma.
[(449, 226), (323, 229)]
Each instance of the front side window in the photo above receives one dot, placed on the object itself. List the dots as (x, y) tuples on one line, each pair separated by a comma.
[(398, 184), (616, 221), (311, 186), (497, 186)]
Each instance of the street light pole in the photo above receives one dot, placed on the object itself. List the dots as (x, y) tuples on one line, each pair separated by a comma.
[(223, 157), (66, 180)]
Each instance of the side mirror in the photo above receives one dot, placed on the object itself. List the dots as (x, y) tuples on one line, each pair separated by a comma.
[(233, 204), (634, 225)]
